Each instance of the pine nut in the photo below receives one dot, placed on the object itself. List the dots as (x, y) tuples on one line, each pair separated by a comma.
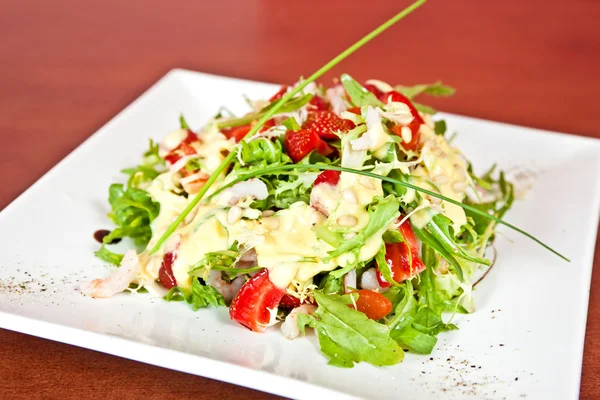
[(234, 215), (347, 221)]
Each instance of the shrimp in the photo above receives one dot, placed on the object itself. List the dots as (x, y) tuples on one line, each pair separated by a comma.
[(289, 328), (116, 282), (227, 290), (369, 280), (253, 188)]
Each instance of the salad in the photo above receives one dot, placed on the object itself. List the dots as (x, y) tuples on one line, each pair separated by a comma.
[(345, 210), (300, 230)]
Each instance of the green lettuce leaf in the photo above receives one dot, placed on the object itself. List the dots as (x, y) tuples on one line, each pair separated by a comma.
[(359, 96), (152, 165), (204, 295), (106, 255), (432, 89), (132, 211), (348, 336), (381, 213)]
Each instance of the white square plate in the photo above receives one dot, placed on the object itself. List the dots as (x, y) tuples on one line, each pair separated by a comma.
[(524, 340)]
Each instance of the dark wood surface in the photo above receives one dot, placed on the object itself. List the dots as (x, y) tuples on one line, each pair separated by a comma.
[(67, 66)]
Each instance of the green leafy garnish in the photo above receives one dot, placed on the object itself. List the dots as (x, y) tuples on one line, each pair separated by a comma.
[(183, 123), (348, 336), (200, 296), (203, 296), (432, 89), (106, 255), (440, 127), (132, 211), (381, 214), (358, 94), (152, 165)]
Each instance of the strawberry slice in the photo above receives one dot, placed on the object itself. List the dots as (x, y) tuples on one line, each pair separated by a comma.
[(324, 123), (300, 143), (318, 103), (414, 125), (253, 305), (237, 132), (399, 256), (165, 273), (289, 301), (279, 94), (400, 98), (373, 89), (329, 177)]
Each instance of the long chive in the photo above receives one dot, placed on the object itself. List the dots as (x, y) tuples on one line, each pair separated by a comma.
[(276, 107)]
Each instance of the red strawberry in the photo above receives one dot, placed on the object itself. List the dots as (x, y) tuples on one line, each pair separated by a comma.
[(328, 176), (414, 125), (373, 89), (289, 301), (324, 123), (318, 103), (279, 94), (252, 305), (237, 132), (300, 143)]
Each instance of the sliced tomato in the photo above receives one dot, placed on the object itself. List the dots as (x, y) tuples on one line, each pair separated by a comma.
[(374, 305), (328, 176), (400, 255), (237, 132), (165, 273), (256, 300)]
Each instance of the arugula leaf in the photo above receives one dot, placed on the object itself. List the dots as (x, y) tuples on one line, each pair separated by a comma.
[(427, 238), (203, 296), (424, 109), (329, 284), (152, 165), (381, 214), (348, 336), (132, 211), (200, 296), (440, 127), (432, 89), (106, 255), (176, 294), (439, 227), (359, 96), (222, 260), (412, 339), (183, 123), (291, 124)]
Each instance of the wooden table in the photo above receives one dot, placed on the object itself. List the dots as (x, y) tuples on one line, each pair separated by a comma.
[(67, 66)]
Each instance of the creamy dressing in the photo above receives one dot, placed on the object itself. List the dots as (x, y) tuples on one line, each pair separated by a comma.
[(443, 167)]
